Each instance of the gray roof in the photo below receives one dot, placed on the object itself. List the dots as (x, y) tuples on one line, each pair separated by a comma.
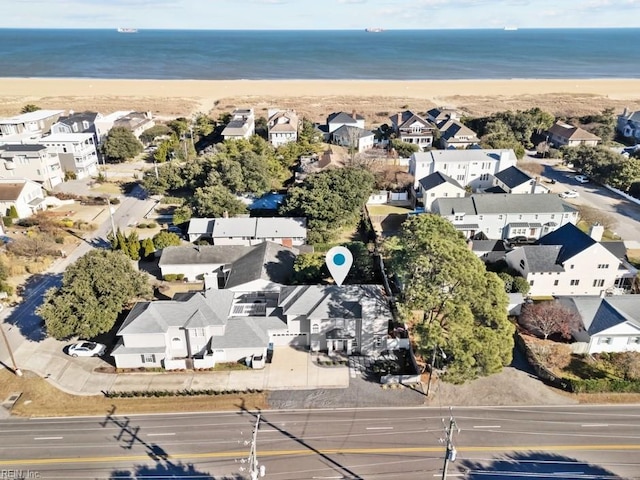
[(23, 148), (599, 314), (467, 156), (513, 177), (330, 301), (616, 248), (570, 238), (211, 307), (248, 332), (408, 118), (281, 227), (437, 178), (488, 246), (452, 129), (343, 117), (234, 227), (502, 203), (266, 261), (352, 132), (542, 258), (202, 254), (200, 225)]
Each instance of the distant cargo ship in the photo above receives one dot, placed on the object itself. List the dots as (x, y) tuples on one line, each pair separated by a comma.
[(510, 29), (374, 29), (128, 30)]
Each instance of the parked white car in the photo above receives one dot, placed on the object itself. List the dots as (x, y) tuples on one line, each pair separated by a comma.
[(569, 194), (86, 349), (581, 179)]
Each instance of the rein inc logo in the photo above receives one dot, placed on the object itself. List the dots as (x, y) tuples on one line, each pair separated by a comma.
[(339, 261), (14, 474)]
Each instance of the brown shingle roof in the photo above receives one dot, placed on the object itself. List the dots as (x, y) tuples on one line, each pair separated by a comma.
[(11, 191)]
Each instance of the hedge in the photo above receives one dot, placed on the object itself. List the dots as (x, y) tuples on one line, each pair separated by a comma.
[(177, 393), (172, 277), (604, 385)]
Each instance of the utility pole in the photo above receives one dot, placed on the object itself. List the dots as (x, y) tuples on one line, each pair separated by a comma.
[(16, 370), (254, 469), (450, 452), (113, 224), (433, 362)]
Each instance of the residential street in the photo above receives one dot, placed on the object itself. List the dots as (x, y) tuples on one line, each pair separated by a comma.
[(576, 442)]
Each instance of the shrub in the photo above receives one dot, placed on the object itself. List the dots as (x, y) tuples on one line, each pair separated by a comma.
[(172, 277), (172, 200), (141, 225), (12, 212), (552, 355), (7, 221), (114, 201), (152, 225)]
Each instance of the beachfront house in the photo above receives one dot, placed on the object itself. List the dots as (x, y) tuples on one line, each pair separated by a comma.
[(474, 168), (566, 261), (628, 124), (441, 114), (25, 195), (282, 126), (104, 123), (77, 152), (339, 119), (31, 161), (29, 124), (412, 128), (78, 122), (504, 216), (241, 125), (136, 122), (454, 134), (562, 134)]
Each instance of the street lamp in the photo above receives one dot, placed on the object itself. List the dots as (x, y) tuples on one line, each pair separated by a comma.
[(16, 370)]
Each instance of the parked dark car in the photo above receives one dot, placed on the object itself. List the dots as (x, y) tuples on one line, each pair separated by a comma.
[(269, 353), (521, 240)]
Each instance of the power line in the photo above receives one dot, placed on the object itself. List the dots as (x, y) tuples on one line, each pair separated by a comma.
[(450, 451)]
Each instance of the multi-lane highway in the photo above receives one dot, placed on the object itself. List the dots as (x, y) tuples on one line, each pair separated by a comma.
[(571, 442)]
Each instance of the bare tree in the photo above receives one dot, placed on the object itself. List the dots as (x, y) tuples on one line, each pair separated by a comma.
[(547, 318), (592, 216)]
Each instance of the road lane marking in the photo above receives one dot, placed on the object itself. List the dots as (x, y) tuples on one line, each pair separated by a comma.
[(48, 438), (308, 452), (379, 428), (587, 425), (160, 434), (486, 426)]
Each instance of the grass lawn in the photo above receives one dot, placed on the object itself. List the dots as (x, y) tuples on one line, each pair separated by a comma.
[(108, 187), (40, 399), (607, 235), (387, 210)]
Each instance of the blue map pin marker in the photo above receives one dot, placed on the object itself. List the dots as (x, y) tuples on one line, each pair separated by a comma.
[(339, 261)]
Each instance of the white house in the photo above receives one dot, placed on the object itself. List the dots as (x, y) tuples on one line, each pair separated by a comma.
[(629, 124), (610, 324), (104, 123), (287, 231), (454, 134), (25, 195), (514, 180), (76, 151), (562, 134), (340, 119), (263, 267), (282, 126), (566, 261), (438, 185), (199, 329), (136, 122), (78, 122), (412, 128), (474, 168), (241, 125), (35, 162), (38, 122), (353, 137), (503, 216)]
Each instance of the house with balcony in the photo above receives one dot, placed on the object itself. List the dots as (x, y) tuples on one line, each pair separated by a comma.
[(27, 196), (438, 185), (514, 180), (412, 128), (31, 161), (136, 122), (454, 134), (340, 119), (77, 152), (566, 261), (503, 216), (241, 125), (562, 134), (78, 122), (29, 124), (628, 124), (282, 127), (474, 168), (609, 324), (200, 329)]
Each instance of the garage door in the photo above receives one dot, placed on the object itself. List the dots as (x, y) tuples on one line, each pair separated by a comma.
[(297, 339)]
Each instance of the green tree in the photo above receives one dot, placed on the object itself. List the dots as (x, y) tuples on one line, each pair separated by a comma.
[(362, 268), (520, 285), (216, 201), (604, 165), (30, 107), (309, 269), (166, 239), (12, 212), (330, 200), (94, 291), (147, 247), (463, 307), (150, 134), (204, 125), (404, 149), (508, 281), (121, 144), (133, 246), (182, 214)]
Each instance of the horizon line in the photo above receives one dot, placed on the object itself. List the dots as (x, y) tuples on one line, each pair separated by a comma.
[(350, 29)]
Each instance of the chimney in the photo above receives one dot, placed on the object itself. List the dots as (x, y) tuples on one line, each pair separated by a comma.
[(470, 244), (534, 184), (225, 214), (596, 232), (625, 112), (354, 115)]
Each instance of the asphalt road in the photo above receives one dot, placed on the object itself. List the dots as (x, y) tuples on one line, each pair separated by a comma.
[(571, 442), (625, 213)]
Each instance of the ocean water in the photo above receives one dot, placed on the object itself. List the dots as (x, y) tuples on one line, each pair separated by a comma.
[(321, 54)]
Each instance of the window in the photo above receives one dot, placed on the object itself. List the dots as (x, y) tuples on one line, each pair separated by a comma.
[(458, 218), (634, 341), (605, 340), (575, 282), (198, 332), (603, 265), (148, 358), (315, 328), (571, 266), (598, 283), (481, 217), (522, 264), (378, 341), (531, 283), (555, 283), (499, 217)]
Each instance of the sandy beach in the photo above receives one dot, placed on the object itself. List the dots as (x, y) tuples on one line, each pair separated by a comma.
[(316, 98)]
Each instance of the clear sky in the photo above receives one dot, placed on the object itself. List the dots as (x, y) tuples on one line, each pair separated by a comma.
[(318, 14)]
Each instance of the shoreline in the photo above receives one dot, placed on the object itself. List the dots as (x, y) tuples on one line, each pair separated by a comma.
[(620, 88)]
